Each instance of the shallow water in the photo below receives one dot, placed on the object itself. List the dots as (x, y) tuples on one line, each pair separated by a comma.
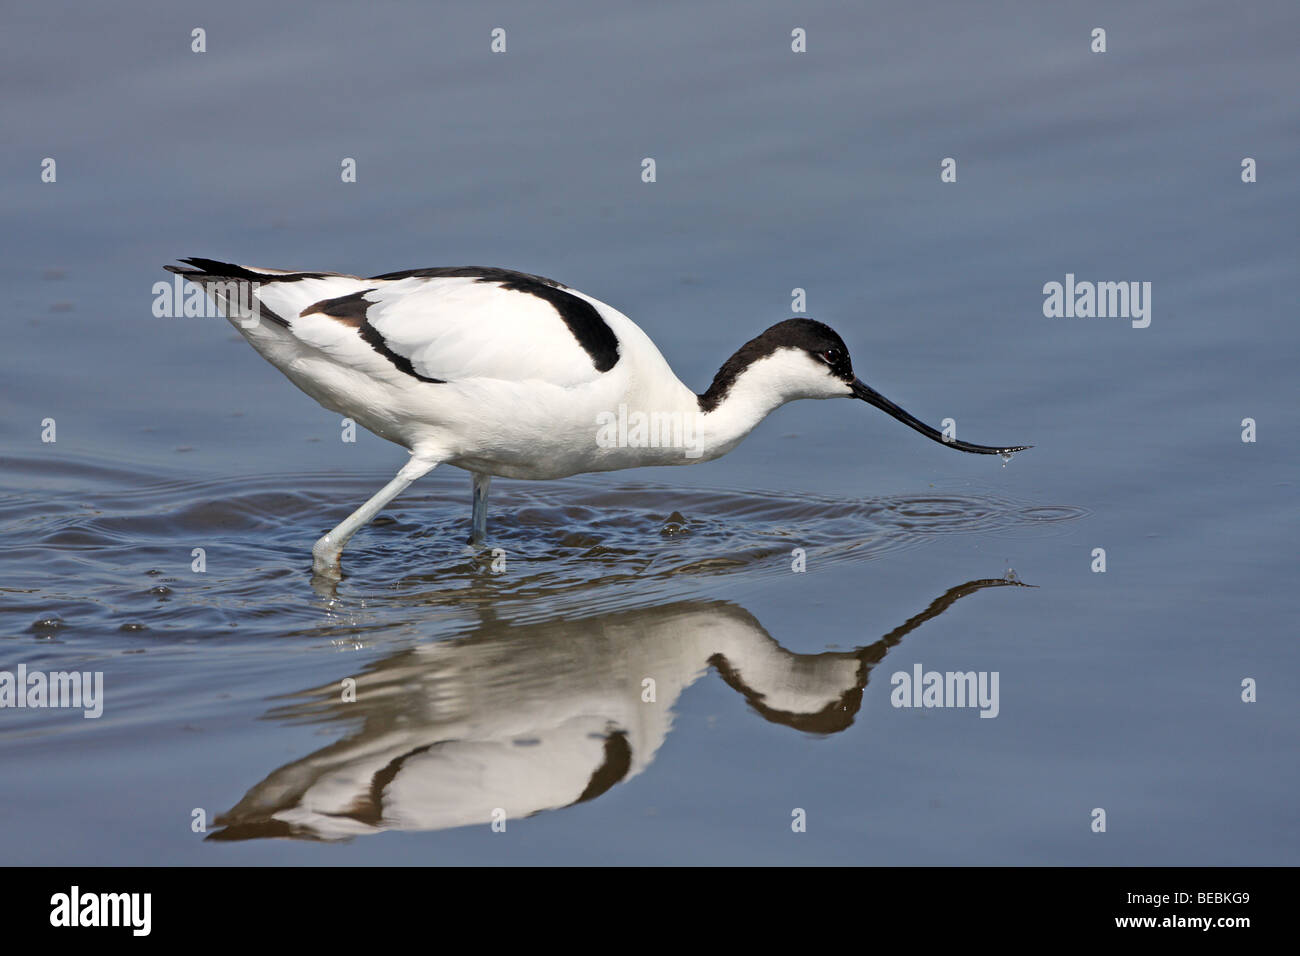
[(521, 686)]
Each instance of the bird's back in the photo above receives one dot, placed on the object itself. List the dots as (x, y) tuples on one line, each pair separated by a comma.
[(430, 325)]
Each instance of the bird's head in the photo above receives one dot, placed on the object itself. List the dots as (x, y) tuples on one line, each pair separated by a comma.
[(802, 358)]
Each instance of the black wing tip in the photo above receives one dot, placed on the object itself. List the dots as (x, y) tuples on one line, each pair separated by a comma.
[(216, 269), (207, 267)]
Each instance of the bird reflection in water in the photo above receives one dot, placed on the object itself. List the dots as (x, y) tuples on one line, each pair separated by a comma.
[(534, 717)]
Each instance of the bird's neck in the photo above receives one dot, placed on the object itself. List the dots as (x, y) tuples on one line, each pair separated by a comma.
[(736, 402), (662, 412)]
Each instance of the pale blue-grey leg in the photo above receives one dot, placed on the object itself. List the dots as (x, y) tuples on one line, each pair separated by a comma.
[(479, 522), (325, 552)]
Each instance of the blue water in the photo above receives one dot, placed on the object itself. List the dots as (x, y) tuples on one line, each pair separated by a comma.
[(523, 689)]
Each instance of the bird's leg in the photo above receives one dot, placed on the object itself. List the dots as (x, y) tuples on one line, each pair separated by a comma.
[(478, 530), (325, 552)]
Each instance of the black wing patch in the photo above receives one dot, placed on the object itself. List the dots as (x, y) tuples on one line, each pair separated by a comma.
[(597, 338), (618, 761), (351, 310), (589, 329), (482, 273)]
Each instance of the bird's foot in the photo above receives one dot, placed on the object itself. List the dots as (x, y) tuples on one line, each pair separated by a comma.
[(325, 559)]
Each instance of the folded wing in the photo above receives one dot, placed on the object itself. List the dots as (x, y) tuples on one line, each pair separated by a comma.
[(435, 325)]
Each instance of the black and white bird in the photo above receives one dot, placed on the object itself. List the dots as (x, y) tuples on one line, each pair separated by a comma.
[(504, 373)]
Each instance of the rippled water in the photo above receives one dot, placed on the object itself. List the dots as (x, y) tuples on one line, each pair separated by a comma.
[(115, 554), (515, 680)]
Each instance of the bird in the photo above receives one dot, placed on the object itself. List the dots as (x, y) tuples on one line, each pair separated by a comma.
[(513, 375)]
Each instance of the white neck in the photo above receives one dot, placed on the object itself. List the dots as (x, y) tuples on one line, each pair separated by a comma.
[(750, 399), (762, 388), (704, 428)]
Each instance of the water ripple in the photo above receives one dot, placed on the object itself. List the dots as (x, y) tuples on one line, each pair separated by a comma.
[(113, 551)]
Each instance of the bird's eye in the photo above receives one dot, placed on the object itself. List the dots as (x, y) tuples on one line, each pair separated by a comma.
[(830, 356)]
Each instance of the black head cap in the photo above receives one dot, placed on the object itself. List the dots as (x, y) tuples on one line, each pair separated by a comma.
[(816, 338)]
